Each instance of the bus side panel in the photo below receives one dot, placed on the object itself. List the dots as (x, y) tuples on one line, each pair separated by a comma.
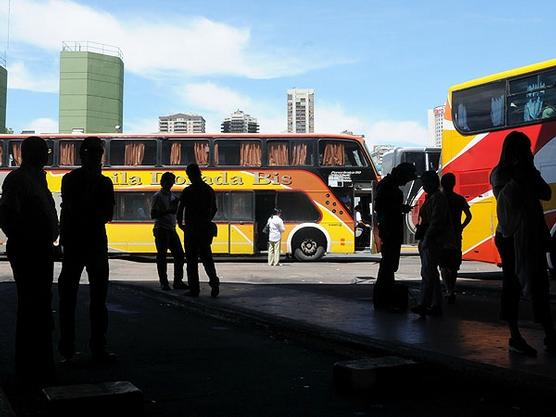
[(131, 237), (242, 239), (221, 243)]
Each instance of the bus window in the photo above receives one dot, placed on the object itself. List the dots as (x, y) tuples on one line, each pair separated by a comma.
[(238, 153), (185, 152), (302, 153), (68, 153), (221, 210), (532, 98), (479, 108), (297, 207), (14, 153), (278, 153), (433, 161), (240, 206), (133, 152), (133, 207), (417, 159), (354, 156), (332, 153)]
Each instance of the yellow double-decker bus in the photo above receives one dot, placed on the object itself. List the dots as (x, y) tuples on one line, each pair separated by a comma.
[(478, 116), (315, 179)]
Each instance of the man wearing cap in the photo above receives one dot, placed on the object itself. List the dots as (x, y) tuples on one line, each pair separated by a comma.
[(390, 209), (87, 205)]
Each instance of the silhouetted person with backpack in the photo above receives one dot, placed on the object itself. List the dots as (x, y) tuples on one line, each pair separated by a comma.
[(458, 206), (522, 239), (390, 209), (195, 213), (164, 206), (87, 205), (29, 220)]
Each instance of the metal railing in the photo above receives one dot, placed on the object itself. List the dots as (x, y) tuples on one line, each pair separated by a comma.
[(89, 46)]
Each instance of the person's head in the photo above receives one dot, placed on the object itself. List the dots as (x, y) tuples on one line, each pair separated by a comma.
[(193, 172), (430, 181), (357, 207), (167, 181), (34, 152), (91, 152), (448, 182), (516, 150), (403, 173), (277, 212)]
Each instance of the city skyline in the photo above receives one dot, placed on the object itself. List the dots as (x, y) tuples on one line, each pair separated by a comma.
[(377, 66)]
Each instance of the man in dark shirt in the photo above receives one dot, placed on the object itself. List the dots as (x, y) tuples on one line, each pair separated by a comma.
[(390, 209), (195, 213), (164, 206), (29, 220), (87, 205), (458, 206)]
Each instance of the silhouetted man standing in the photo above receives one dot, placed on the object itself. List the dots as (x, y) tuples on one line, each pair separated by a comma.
[(195, 213), (87, 205), (164, 206), (30, 222), (390, 209)]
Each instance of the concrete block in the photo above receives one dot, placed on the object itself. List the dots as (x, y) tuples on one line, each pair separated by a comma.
[(372, 373), (106, 398)]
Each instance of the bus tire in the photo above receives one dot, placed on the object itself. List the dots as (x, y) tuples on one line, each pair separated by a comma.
[(309, 245)]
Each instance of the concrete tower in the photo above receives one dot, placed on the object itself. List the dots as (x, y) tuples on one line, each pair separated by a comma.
[(91, 88)]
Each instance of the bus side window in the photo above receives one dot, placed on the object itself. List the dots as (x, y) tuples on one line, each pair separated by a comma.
[(185, 152), (238, 153), (532, 98), (133, 207), (240, 206), (479, 108), (68, 153), (297, 207), (354, 157), (133, 152)]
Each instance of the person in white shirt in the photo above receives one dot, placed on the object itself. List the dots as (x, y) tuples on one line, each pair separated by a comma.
[(275, 229)]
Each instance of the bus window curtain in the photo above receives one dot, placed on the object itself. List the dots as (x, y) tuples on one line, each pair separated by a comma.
[(461, 117), (533, 107), (67, 153), (299, 154), (497, 111), (250, 155), (278, 154), (16, 154), (201, 151), (175, 153), (216, 158), (333, 154), (1, 154), (134, 153)]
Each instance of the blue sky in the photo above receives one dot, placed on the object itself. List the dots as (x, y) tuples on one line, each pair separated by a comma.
[(376, 66)]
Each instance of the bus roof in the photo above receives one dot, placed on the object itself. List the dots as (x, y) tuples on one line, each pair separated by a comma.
[(186, 135), (504, 74)]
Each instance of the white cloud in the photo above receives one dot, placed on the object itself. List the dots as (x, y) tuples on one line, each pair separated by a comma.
[(406, 132), (170, 43), (21, 78), (214, 98), (43, 125)]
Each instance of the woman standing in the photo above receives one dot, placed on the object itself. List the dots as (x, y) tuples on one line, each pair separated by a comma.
[(275, 229), (522, 238)]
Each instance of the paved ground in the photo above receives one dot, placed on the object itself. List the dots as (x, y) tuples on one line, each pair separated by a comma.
[(190, 365)]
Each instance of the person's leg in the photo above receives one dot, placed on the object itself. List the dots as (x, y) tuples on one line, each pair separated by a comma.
[(68, 286), (177, 253), (270, 253), (192, 258), (98, 272), (277, 252), (511, 288), (162, 242), (208, 264)]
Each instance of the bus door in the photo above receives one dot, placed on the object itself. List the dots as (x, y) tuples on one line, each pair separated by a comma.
[(265, 202), (363, 197), (241, 218)]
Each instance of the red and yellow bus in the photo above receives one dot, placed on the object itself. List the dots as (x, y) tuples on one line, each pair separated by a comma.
[(314, 179), (478, 116)]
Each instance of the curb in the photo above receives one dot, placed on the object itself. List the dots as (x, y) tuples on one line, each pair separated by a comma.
[(348, 343)]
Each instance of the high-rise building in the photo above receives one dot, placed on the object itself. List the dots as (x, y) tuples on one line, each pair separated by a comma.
[(91, 88), (181, 123), (436, 125), (240, 122), (301, 110), (3, 93)]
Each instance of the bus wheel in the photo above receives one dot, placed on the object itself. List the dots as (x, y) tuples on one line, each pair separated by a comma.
[(309, 245)]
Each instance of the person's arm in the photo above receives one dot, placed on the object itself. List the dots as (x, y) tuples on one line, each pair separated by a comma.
[(179, 214), (109, 202), (213, 207), (11, 206), (468, 216), (281, 226)]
